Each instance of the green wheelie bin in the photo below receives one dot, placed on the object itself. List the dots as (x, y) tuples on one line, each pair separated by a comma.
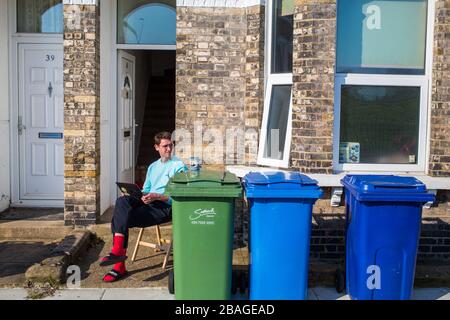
[(203, 229)]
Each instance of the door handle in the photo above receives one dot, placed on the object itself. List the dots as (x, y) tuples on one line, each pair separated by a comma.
[(20, 126), (50, 89)]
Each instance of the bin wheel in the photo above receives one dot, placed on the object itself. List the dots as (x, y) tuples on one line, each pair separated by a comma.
[(171, 282), (339, 280), (234, 286), (243, 281)]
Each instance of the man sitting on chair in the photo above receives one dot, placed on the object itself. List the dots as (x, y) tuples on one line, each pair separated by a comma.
[(152, 209)]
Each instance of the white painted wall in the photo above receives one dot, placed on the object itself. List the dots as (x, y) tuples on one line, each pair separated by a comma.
[(5, 189), (106, 139)]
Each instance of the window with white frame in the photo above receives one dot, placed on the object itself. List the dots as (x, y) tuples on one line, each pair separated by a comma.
[(40, 16), (275, 139), (381, 84), (149, 22)]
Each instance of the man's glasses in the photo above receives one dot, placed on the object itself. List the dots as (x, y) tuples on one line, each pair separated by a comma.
[(167, 146)]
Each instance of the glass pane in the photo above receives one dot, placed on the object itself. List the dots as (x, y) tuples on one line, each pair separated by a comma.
[(40, 16), (382, 36), (282, 36), (146, 22), (278, 121), (379, 124)]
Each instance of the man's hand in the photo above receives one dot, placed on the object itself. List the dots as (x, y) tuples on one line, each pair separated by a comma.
[(150, 197)]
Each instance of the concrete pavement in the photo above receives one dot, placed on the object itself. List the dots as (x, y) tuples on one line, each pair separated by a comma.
[(162, 294)]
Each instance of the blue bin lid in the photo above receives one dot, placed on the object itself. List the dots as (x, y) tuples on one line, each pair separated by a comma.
[(387, 188), (280, 185)]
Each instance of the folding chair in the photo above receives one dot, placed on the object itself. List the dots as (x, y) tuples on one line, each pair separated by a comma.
[(162, 245)]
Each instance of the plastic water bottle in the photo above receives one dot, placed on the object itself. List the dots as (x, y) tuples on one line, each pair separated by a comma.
[(195, 164)]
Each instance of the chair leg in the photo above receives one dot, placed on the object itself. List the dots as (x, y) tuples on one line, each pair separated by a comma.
[(166, 258), (136, 248), (158, 237)]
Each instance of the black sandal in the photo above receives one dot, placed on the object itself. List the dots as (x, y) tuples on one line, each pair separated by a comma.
[(112, 259), (115, 275)]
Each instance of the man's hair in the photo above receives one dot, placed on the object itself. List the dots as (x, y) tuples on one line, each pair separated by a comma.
[(162, 135)]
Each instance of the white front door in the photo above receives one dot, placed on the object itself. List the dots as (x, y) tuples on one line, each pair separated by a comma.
[(126, 121), (41, 122)]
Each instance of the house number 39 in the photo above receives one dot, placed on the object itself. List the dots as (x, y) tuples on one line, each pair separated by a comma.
[(49, 57)]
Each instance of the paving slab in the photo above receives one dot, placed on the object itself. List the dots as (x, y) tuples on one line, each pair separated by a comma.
[(418, 294), (77, 294), (162, 294), (312, 295), (329, 294), (138, 294), (13, 274), (17, 256), (37, 214), (13, 294), (432, 294), (33, 229)]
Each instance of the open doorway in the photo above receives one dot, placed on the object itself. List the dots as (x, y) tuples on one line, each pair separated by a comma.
[(146, 106)]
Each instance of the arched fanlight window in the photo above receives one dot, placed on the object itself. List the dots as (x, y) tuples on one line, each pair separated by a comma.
[(52, 20), (40, 16), (146, 22)]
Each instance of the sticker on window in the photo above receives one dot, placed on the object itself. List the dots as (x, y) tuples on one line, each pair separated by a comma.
[(349, 152)]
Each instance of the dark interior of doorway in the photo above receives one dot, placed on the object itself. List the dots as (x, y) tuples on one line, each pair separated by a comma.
[(155, 104)]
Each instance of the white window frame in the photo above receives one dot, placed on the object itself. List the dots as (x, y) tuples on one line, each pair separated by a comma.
[(271, 80), (124, 46), (422, 81)]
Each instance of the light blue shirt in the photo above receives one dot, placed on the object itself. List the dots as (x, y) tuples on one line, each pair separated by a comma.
[(159, 173)]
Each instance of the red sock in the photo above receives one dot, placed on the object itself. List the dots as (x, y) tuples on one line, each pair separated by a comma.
[(119, 268), (118, 248)]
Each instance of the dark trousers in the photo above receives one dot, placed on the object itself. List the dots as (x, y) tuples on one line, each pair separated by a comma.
[(133, 213)]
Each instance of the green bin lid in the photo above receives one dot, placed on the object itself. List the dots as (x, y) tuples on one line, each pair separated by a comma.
[(204, 183)]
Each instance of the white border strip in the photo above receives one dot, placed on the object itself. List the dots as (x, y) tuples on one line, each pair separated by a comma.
[(81, 2), (190, 3), (221, 3)]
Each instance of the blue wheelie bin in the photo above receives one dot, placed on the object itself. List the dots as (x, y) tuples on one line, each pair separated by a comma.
[(384, 215), (280, 228)]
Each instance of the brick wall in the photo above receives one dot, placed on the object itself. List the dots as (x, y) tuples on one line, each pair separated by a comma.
[(220, 77), (81, 114), (220, 83), (440, 105), (314, 55), (210, 73), (313, 88), (254, 67)]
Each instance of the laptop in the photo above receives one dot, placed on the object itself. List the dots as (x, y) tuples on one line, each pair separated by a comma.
[(129, 189)]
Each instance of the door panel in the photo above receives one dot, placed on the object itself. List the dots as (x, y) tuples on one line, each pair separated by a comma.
[(126, 121), (41, 113)]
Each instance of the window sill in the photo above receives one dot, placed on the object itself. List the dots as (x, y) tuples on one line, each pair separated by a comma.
[(334, 180)]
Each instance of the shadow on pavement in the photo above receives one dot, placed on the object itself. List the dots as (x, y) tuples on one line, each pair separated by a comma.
[(16, 256), (32, 214), (91, 257)]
